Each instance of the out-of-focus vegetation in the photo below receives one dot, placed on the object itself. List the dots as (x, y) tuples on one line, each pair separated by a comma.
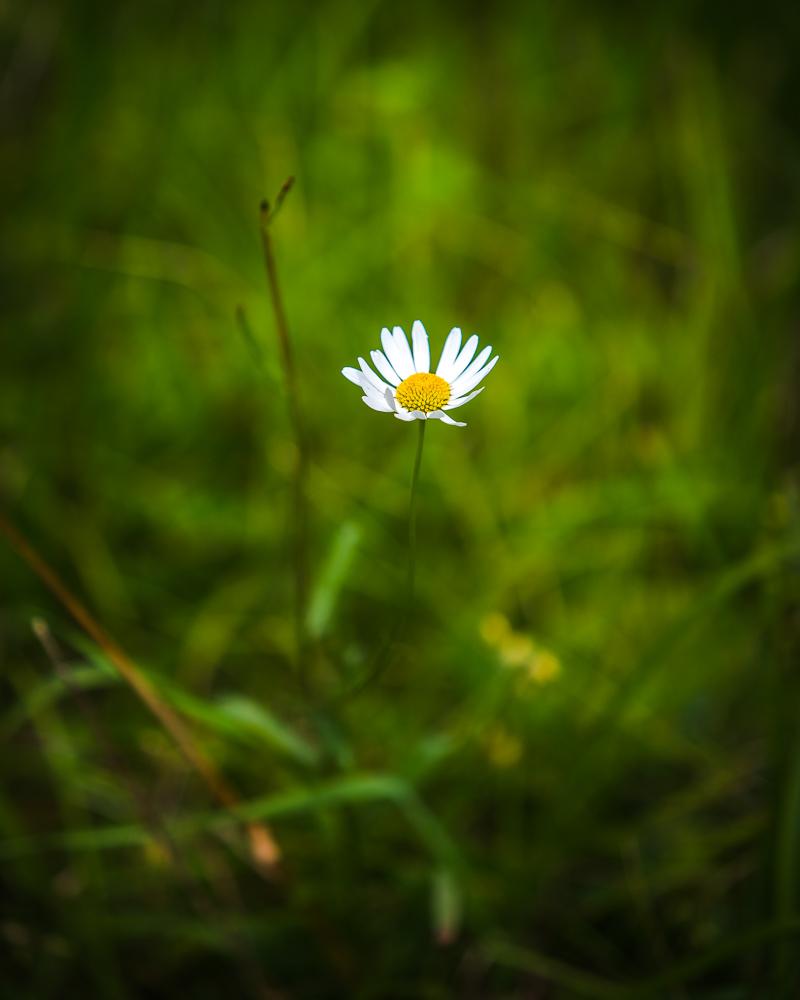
[(577, 774)]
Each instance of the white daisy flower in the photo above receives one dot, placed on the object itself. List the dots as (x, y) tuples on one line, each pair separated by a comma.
[(408, 388)]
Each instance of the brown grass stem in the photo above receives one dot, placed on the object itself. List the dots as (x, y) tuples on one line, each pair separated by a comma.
[(263, 847), (300, 473)]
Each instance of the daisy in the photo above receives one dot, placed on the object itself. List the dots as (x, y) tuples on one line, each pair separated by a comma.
[(408, 388)]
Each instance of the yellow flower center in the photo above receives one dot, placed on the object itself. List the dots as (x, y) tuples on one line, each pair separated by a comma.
[(423, 391)]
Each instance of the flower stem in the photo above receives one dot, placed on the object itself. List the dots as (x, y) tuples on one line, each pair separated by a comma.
[(384, 655), (412, 514)]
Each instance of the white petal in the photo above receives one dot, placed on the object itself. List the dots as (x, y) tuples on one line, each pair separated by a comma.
[(422, 352), (465, 384), (374, 395), (439, 415), (464, 358), (397, 358), (383, 366), (469, 371), (449, 353), (378, 383), (405, 358), (370, 389), (405, 415), (391, 401), (475, 366), (353, 374), (460, 400), (374, 403)]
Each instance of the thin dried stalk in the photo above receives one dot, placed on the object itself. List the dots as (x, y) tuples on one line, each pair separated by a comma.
[(300, 474), (263, 847)]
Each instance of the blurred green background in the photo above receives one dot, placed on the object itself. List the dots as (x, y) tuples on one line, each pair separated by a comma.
[(577, 773)]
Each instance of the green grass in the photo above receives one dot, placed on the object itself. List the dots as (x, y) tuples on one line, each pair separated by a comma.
[(575, 773)]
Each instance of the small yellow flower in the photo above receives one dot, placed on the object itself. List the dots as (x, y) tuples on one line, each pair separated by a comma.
[(156, 854), (495, 628), (516, 650), (503, 748), (544, 667)]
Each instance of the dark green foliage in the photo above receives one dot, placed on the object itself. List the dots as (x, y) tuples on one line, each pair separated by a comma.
[(578, 772)]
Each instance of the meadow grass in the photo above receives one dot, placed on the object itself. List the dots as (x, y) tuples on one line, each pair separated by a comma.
[(574, 769)]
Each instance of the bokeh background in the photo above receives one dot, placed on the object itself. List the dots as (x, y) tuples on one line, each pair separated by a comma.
[(577, 772)]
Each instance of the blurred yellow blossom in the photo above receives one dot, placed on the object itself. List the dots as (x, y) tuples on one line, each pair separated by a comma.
[(544, 666), (503, 748), (156, 853), (495, 628), (516, 649)]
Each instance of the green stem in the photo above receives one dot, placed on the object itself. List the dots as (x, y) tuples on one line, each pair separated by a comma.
[(300, 476), (383, 655), (412, 514)]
